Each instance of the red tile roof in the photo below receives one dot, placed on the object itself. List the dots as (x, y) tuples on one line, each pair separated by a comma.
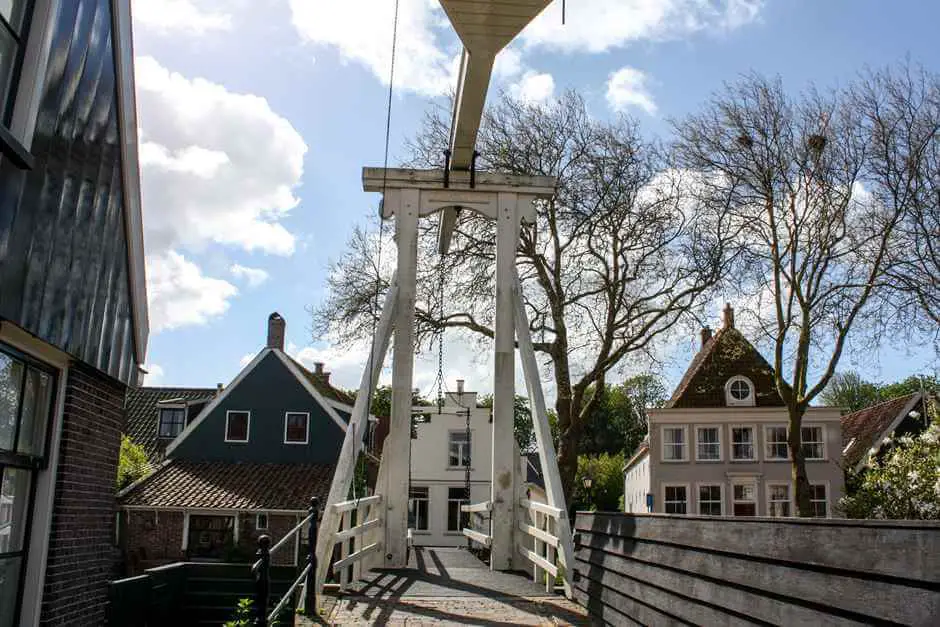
[(322, 384), (228, 485), (864, 429)]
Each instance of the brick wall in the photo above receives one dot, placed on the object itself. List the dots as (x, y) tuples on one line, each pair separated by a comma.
[(150, 539), (278, 526), (80, 559)]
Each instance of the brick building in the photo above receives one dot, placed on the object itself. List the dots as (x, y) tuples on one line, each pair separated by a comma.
[(73, 307)]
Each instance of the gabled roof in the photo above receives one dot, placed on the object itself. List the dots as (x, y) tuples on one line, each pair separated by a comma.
[(867, 428), (322, 384), (724, 355), (227, 485), (141, 413)]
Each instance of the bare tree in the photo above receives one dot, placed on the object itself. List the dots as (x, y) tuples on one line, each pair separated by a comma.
[(612, 263), (821, 188)]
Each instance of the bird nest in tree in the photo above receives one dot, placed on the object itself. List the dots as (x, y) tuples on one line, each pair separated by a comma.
[(817, 142), (745, 141)]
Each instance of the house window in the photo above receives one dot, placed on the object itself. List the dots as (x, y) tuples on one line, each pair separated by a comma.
[(418, 500), (674, 444), (775, 442), (459, 449), (457, 520), (813, 445), (26, 402), (236, 426), (261, 522), (818, 500), (13, 25), (296, 427), (739, 391), (172, 421), (742, 443), (675, 499), (744, 498), (710, 501), (778, 500), (707, 444)]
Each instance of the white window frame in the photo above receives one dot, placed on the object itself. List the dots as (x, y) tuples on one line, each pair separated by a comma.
[(685, 443), (755, 445), (688, 496), (460, 456), (822, 441), (720, 442), (731, 401), (258, 525), (306, 439), (768, 501), (247, 426), (160, 409), (460, 514), (828, 499), (767, 443), (721, 498), (426, 499), (752, 481)]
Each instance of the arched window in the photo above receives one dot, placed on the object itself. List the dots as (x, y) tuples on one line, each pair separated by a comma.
[(739, 391)]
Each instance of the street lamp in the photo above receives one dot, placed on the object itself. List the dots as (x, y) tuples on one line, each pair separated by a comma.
[(587, 483)]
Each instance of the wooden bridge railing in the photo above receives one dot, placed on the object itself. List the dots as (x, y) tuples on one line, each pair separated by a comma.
[(542, 528), (486, 539), (355, 518)]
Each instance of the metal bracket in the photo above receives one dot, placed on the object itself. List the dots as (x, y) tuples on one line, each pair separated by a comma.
[(446, 168)]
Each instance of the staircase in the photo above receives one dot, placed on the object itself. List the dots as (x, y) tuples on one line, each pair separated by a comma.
[(212, 591)]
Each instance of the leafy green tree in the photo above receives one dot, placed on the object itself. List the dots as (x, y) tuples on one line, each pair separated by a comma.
[(618, 421), (851, 391), (606, 474), (902, 484), (132, 463)]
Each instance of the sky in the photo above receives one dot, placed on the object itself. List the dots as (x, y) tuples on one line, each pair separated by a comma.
[(256, 117)]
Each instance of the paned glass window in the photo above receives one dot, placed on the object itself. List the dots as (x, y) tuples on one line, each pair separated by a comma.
[(813, 445), (674, 445), (775, 441), (458, 449), (708, 444), (457, 520), (418, 500), (742, 443), (675, 499), (744, 499), (778, 499), (296, 425), (819, 501), (237, 425), (172, 421), (13, 24), (709, 500)]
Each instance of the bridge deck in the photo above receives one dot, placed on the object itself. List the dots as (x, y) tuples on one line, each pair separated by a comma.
[(450, 585)]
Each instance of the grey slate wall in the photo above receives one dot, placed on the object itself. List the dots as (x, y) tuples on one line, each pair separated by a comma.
[(660, 569)]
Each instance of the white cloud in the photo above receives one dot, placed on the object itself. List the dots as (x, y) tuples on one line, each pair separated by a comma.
[(534, 88), (254, 276), (362, 32), (627, 88), (180, 294), (246, 359), (187, 16), (217, 166), (154, 374), (600, 25)]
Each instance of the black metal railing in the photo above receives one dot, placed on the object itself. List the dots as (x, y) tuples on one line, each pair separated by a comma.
[(262, 569)]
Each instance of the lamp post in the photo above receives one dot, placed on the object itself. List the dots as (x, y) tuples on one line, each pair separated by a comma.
[(587, 482)]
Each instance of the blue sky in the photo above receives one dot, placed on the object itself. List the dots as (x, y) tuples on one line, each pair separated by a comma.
[(257, 115)]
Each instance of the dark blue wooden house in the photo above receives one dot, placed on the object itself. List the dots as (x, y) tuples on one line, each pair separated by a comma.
[(236, 462)]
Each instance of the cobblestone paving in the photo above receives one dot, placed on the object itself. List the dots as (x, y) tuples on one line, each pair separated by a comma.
[(418, 611)]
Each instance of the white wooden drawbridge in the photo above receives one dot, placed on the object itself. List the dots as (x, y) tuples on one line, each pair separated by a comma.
[(521, 533)]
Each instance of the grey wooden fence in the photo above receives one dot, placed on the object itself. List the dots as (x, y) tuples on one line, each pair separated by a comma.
[(673, 570)]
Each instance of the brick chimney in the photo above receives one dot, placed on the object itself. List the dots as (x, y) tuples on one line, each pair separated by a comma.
[(218, 389), (729, 316), (321, 374), (706, 335), (276, 329)]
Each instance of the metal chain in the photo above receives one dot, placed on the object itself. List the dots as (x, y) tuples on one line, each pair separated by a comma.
[(440, 336)]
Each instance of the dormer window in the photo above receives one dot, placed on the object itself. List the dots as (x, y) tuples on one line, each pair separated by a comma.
[(172, 421), (739, 391)]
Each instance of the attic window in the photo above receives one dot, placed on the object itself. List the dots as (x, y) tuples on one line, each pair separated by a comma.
[(739, 391), (236, 426), (172, 421)]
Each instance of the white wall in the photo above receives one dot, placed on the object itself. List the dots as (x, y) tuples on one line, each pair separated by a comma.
[(636, 484)]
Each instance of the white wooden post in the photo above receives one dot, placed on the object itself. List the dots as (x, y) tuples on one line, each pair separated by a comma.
[(534, 521), (543, 434), (398, 443), (503, 491), (346, 464), (343, 551)]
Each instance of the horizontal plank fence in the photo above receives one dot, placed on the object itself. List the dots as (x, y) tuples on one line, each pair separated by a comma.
[(654, 569)]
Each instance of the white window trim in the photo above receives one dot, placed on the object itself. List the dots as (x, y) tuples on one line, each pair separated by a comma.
[(745, 481), (267, 522), (828, 495), (721, 455), (247, 427), (790, 496), (306, 439), (688, 495), (731, 401), (824, 442), (767, 457), (755, 444), (685, 444), (470, 443), (721, 489)]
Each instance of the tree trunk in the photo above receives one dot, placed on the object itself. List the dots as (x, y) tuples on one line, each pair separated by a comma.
[(568, 437), (801, 487)]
